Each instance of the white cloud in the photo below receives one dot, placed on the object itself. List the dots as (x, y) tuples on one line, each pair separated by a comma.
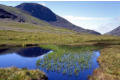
[(100, 24), (112, 24), (85, 18)]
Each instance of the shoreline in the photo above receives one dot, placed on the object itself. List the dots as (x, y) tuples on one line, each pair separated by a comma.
[(97, 73), (109, 64)]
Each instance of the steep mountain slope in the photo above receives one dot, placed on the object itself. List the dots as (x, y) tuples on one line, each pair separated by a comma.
[(44, 13), (115, 32), (5, 14), (17, 20), (11, 13)]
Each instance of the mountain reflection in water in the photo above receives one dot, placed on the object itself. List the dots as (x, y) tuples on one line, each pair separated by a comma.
[(25, 52), (21, 57), (32, 52)]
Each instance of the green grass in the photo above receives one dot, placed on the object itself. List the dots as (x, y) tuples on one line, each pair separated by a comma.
[(67, 59), (109, 61), (21, 74), (26, 27), (12, 32), (23, 38)]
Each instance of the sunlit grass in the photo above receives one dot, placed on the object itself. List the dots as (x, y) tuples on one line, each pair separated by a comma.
[(27, 27), (109, 64), (23, 38), (21, 74)]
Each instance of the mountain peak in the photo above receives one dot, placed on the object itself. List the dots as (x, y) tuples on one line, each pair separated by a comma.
[(43, 13), (31, 4), (38, 11), (115, 32)]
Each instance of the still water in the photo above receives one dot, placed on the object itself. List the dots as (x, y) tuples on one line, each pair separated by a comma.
[(27, 58)]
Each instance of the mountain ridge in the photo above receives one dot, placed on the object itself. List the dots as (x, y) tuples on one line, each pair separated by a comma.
[(46, 17), (44, 13), (115, 32), (21, 15)]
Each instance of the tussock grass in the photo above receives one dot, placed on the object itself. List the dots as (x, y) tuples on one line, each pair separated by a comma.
[(67, 59), (21, 74), (23, 38), (109, 64)]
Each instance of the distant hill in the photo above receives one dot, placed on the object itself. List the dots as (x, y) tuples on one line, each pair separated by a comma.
[(115, 32), (45, 14)]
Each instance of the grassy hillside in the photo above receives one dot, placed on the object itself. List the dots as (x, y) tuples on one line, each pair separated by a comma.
[(27, 27), (59, 37), (24, 33), (12, 32), (29, 23), (24, 16), (43, 13)]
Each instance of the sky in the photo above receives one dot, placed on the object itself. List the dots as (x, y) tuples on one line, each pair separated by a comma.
[(101, 16)]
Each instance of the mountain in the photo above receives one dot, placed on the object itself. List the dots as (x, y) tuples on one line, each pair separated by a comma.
[(14, 14), (14, 19), (43, 13), (5, 14), (115, 32)]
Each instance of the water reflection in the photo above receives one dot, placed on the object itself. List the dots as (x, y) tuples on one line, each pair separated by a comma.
[(69, 63), (25, 52), (64, 63), (32, 52), (22, 57)]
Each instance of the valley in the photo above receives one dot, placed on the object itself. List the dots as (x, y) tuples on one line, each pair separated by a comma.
[(78, 50)]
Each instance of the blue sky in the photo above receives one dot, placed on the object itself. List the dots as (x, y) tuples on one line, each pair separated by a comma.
[(99, 16)]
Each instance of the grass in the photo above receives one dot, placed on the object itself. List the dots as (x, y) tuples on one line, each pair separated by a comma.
[(23, 34), (67, 59), (27, 27), (12, 32), (109, 61), (21, 74), (16, 33), (24, 38)]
